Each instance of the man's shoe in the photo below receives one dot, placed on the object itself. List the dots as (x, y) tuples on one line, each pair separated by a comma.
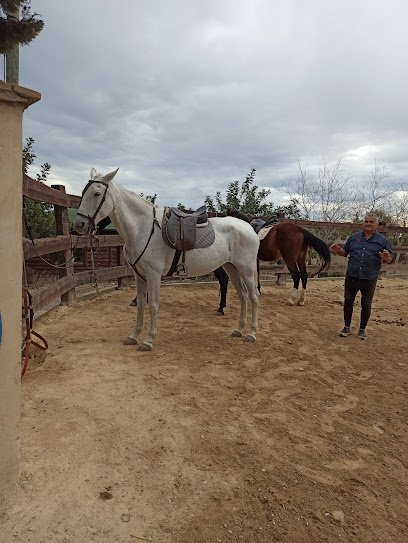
[(362, 334), (345, 332)]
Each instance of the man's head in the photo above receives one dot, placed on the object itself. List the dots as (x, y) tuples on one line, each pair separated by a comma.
[(370, 223)]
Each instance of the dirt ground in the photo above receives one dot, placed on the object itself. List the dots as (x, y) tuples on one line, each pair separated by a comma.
[(300, 437)]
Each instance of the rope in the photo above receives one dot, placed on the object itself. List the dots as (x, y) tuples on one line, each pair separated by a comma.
[(27, 323), (94, 278)]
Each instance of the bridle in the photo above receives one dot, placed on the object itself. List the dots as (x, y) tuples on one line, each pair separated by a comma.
[(92, 219)]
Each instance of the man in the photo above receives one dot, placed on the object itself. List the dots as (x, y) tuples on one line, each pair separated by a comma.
[(366, 250)]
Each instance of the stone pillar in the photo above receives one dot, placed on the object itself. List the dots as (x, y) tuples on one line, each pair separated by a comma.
[(13, 101)]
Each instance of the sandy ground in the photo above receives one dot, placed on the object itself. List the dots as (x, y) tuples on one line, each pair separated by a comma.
[(300, 437)]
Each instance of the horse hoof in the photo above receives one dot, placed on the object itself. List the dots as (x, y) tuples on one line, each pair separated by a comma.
[(145, 347), (249, 339), (130, 341), (133, 304), (219, 311), (301, 303), (291, 302), (236, 333)]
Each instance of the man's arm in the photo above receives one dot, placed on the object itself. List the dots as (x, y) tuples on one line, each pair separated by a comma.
[(386, 256), (337, 250)]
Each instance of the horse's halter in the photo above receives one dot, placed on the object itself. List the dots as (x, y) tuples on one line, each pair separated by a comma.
[(92, 219)]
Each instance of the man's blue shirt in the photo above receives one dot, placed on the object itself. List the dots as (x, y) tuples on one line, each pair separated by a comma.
[(364, 259)]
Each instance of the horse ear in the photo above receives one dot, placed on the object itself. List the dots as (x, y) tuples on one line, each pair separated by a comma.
[(109, 176), (92, 175)]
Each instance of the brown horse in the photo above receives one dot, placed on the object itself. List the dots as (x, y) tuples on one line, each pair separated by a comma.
[(291, 242)]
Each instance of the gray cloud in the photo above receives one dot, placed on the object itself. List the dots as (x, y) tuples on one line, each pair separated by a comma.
[(187, 96)]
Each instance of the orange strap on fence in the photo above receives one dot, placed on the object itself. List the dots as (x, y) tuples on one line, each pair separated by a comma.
[(28, 316)]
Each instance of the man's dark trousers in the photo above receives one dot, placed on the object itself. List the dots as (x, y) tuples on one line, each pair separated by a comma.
[(367, 288)]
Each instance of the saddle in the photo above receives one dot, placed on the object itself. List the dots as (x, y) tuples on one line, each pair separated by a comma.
[(186, 230), (257, 224), (200, 213), (262, 227)]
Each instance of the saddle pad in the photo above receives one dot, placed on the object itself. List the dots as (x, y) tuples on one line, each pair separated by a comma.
[(205, 234), (264, 231)]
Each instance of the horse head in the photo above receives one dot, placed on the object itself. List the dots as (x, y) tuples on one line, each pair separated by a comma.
[(96, 202)]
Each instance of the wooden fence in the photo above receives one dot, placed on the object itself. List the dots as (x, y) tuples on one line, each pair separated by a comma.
[(64, 244)]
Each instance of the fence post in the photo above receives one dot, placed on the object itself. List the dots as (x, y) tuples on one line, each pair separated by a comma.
[(62, 227)]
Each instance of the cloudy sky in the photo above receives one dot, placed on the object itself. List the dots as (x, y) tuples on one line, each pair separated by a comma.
[(186, 96)]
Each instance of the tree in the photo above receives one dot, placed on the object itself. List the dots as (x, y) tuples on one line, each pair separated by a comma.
[(248, 198), (333, 197), (329, 197), (399, 204), (14, 31), (39, 216), (378, 198), (289, 211), (149, 198)]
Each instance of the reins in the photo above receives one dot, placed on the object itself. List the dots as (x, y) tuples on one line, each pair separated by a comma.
[(94, 280), (133, 266)]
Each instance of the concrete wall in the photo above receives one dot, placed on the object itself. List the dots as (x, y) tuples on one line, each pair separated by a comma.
[(13, 101)]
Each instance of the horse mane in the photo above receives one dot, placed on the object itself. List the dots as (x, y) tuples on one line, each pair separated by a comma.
[(239, 215), (250, 218), (133, 193)]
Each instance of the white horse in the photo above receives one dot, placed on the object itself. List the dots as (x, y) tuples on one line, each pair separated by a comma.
[(139, 224)]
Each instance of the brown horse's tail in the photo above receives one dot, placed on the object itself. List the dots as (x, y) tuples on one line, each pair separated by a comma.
[(320, 247)]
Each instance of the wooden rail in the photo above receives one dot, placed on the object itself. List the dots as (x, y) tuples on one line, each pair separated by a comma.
[(338, 226), (62, 246), (44, 246), (338, 266)]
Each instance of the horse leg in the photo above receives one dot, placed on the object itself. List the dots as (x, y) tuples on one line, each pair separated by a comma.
[(254, 293), (133, 338), (222, 278), (133, 303), (242, 295), (294, 272), (301, 261), (153, 287), (223, 297)]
